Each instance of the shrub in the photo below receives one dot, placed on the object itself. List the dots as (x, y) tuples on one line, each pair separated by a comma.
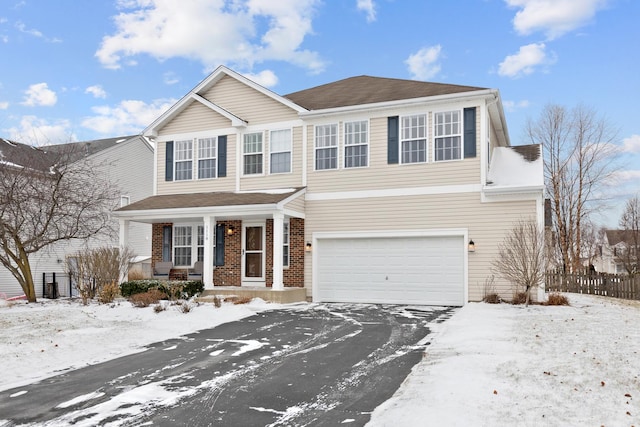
[(185, 307), (173, 290), (243, 300), (519, 298), (492, 298), (490, 294), (159, 308), (217, 302), (108, 292), (557, 299), (145, 299)]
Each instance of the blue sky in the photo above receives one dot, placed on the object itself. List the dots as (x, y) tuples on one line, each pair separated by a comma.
[(79, 70)]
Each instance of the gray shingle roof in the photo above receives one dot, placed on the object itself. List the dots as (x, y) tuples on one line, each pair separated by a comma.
[(530, 152), (369, 90), (199, 200)]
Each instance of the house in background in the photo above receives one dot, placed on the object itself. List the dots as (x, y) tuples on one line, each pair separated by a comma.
[(129, 164), (365, 189), (612, 255)]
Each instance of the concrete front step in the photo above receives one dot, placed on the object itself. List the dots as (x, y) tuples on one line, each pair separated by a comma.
[(284, 296)]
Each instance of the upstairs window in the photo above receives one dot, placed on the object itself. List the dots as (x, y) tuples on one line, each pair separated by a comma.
[(280, 146), (326, 147), (356, 144), (184, 160), (207, 157), (413, 139), (448, 135), (253, 153)]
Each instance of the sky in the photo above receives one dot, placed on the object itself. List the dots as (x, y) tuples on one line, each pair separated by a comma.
[(79, 70), (482, 366)]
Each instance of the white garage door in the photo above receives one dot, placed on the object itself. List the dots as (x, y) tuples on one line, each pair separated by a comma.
[(393, 270)]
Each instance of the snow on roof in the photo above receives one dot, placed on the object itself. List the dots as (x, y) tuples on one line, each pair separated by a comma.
[(511, 167)]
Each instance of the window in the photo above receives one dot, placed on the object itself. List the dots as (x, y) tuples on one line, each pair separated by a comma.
[(200, 242), (413, 139), (356, 144), (206, 158), (285, 245), (124, 201), (280, 145), (326, 147), (184, 160), (182, 245), (253, 154), (448, 136)]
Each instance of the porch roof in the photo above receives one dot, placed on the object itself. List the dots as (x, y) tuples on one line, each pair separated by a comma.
[(219, 201)]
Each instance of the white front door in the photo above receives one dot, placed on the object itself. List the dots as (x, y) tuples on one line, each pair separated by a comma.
[(253, 254)]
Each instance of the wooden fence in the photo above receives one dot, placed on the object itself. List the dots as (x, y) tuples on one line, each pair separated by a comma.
[(610, 285)]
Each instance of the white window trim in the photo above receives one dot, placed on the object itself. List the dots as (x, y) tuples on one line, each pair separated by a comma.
[(345, 145), (244, 154), (426, 139), (287, 245), (460, 134), (175, 246), (337, 147), (290, 151), (197, 159), (176, 161), (124, 200)]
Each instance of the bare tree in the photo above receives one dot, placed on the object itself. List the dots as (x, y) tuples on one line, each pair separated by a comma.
[(578, 154), (630, 225), (47, 197), (521, 257)]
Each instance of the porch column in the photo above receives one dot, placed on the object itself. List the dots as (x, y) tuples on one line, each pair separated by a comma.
[(278, 226), (207, 262), (123, 240)]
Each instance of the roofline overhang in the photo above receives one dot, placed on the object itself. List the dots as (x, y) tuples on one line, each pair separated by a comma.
[(462, 96), (201, 211)]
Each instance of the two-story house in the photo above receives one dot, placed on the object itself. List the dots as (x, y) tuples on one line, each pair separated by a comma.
[(128, 161), (361, 190), (618, 252)]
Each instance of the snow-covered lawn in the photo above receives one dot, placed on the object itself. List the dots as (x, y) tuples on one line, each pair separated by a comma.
[(493, 365)]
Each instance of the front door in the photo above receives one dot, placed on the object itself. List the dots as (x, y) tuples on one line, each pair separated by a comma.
[(253, 250)]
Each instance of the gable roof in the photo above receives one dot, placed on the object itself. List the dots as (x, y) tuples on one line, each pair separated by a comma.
[(370, 90), (615, 237)]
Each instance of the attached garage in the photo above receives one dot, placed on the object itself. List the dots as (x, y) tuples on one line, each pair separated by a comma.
[(392, 269)]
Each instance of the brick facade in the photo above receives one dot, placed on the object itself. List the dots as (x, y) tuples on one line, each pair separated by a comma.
[(230, 274)]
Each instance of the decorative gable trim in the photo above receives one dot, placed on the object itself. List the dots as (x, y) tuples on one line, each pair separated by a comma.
[(235, 120)]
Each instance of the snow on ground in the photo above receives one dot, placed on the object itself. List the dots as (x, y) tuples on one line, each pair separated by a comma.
[(503, 365), (489, 365)]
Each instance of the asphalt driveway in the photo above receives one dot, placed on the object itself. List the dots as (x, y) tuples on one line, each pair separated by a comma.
[(330, 364)]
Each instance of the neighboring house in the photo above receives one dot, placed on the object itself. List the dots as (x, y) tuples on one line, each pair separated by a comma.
[(129, 163), (612, 255), (362, 190)]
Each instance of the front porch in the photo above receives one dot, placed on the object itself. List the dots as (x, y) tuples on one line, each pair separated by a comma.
[(282, 296)]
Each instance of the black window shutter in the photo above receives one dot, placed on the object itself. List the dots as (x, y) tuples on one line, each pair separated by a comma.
[(167, 232), (219, 255), (392, 140), (469, 132), (222, 155), (168, 164)]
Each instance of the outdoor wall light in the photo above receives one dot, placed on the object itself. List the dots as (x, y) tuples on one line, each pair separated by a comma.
[(472, 246), (230, 230), (307, 247)]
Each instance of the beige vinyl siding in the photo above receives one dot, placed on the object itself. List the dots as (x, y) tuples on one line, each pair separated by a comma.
[(279, 180), (296, 205), (487, 224), (196, 117), (247, 103), (227, 183), (381, 175)]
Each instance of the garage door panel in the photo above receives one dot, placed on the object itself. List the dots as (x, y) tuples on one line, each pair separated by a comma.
[(407, 270)]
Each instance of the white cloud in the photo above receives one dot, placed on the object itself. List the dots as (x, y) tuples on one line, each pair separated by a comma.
[(241, 32), (128, 117), (35, 33), (369, 8), (4, 105), (35, 131), (97, 91), (525, 61), (40, 95), (170, 78), (553, 17), (266, 78), (423, 64), (513, 105), (631, 144)]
